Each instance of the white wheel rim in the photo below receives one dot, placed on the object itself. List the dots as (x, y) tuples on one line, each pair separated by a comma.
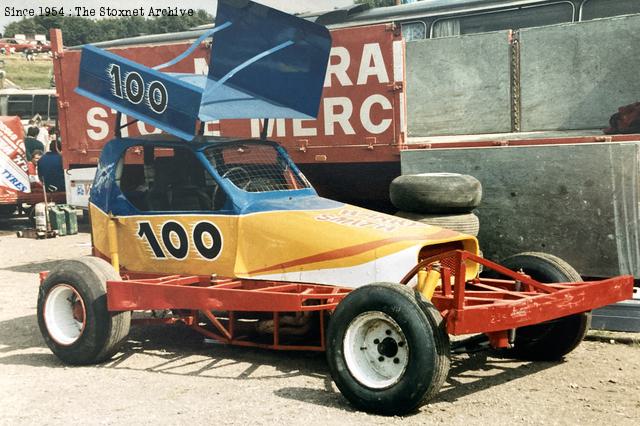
[(64, 314), (375, 350)]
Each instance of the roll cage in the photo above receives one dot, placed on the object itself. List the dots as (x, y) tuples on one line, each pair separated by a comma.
[(239, 173)]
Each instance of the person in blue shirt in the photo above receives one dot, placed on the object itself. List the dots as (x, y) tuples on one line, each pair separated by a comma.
[(50, 168)]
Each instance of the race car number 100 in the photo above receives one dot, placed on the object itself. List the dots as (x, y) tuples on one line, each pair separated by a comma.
[(174, 240), (134, 89)]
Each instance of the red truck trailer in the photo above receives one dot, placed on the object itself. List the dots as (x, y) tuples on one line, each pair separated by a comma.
[(350, 152)]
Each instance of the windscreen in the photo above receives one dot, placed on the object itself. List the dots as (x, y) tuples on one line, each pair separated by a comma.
[(255, 167)]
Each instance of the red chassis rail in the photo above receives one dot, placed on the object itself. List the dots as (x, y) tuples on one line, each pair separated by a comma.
[(481, 305), (485, 305), (191, 295)]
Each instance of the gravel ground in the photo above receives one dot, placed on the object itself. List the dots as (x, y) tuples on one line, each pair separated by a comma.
[(168, 375)]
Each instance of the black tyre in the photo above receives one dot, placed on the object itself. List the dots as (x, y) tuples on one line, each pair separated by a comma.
[(436, 193), (467, 223), (551, 340), (387, 349), (72, 312)]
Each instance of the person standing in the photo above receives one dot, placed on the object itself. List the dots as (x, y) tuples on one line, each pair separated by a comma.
[(33, 167), (50, 168), (32, 144), (43, 134)]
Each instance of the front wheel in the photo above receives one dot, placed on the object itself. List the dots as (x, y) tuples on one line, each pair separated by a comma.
[(73, 315), (387, 349)]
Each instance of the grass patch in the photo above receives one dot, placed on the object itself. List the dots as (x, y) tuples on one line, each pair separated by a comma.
[(29, 74)]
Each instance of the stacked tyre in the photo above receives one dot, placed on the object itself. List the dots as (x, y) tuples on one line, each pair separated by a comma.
[(439, 199)]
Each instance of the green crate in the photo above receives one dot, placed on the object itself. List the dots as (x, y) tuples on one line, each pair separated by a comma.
[(71, 219), (57, 220)]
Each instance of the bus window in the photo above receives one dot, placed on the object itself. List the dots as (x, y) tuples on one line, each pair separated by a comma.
[(592, 9), (416, 30), (53, 108), (513, 19), (28, 103), (41, 106), (21, 105)]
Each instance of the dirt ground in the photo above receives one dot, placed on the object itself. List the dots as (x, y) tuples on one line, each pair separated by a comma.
[(168, 375)]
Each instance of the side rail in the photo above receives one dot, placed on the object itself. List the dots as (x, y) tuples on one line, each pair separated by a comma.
[(273, 315), (487, 305)]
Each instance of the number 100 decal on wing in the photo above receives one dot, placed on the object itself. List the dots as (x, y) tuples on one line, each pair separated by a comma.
[(172, 240), (135, 89), (263, 64)]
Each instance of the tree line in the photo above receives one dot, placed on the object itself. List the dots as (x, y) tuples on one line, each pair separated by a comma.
[(78, 30)]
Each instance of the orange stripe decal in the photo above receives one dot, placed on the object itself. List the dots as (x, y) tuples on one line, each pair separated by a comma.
[(349, 251)]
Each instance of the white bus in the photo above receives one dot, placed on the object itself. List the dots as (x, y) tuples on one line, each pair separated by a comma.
[(29, 102), (443, 18)]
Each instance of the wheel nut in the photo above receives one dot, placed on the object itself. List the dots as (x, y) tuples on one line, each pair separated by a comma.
[(388, 332), (396, 360), (381, 358), (400, 344), (376, 341)]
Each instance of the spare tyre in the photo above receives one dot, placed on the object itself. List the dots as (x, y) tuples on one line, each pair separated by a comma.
[(466, 223), (436, 193)]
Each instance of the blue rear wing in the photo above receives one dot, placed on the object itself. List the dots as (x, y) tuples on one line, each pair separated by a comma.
[(264, 64)]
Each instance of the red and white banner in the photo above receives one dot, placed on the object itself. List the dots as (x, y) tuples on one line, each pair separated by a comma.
[(14, 176)]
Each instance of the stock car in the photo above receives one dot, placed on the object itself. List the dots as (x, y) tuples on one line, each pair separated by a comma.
[(227, 237)]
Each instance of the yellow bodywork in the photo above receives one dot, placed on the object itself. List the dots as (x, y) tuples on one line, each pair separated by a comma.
[(330, 246)]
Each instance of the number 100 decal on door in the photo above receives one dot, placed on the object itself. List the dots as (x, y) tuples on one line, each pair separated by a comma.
[(174, 241)]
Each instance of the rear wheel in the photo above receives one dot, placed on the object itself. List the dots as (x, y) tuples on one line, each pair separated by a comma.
[(73, 315), (551, 340), (387, 349)]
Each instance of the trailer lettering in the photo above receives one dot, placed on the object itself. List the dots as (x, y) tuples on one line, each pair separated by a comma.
[(372, 64), (338, 111), (339, 69), (365, 114), (300, 131), (99, 129), (200, 66), (278, 123), (143, 129)]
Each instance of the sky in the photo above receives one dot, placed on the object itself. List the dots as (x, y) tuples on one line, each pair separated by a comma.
[(208, 5)]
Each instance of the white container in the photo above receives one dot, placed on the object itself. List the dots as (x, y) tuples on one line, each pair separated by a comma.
[(78, 184), (40, 216)]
